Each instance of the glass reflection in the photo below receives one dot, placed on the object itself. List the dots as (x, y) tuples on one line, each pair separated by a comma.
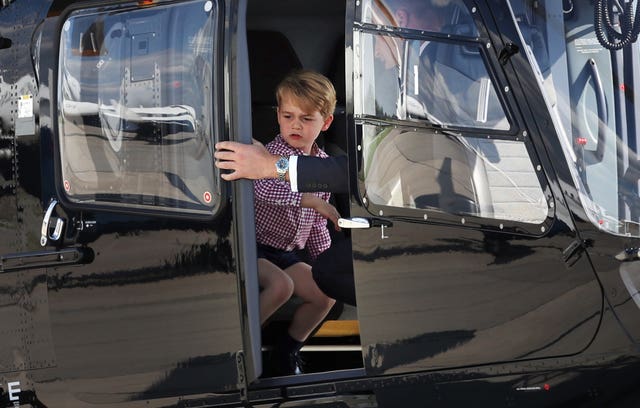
[(429, 15), (135, 103), (591, 94), (420, 169), (444, 83)]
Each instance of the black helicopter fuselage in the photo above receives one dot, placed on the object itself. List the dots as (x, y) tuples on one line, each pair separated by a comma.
[(128, 272)]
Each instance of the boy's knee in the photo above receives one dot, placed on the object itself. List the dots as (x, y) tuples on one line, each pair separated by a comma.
[(327, 302), (284, 289)]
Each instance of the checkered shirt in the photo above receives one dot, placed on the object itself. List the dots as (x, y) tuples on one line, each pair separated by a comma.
[(280, 221)]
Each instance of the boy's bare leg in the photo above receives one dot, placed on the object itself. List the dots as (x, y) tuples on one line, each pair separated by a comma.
[(316, 304), (277, 288)]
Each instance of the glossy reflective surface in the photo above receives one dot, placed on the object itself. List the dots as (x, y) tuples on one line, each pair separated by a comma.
[(136, 119), (154, 314), (456, 308), (590, 91), (429, 169)]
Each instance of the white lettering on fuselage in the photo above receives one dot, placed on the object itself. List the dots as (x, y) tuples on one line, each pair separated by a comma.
[(13, 390)]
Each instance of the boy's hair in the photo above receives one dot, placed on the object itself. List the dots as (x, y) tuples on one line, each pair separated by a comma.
[(313, 91)]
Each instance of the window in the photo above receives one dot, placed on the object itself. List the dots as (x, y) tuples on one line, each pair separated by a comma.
[(448, 16), (594, 115), (428, 169), (136, 110), (442, 82), (421, 72)]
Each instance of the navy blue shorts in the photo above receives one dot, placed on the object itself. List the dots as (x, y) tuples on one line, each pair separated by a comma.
[(279, 257)]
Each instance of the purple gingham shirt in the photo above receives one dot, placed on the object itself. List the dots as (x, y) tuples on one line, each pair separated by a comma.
[(280, 221)]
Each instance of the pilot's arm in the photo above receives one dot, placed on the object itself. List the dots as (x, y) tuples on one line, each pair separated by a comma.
[(306, 174)]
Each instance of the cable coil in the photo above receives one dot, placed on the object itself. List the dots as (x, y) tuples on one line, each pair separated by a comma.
[(607, 35)]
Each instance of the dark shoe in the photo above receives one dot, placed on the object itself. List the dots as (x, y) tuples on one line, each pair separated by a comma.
[(297, 362), (283, 364)]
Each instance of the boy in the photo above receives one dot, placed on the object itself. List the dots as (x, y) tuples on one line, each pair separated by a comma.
[(288, 221)]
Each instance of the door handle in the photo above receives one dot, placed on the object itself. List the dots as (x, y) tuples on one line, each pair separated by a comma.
[(57, 230), (365, 222)]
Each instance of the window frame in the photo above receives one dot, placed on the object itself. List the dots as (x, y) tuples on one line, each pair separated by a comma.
[(515, 133)]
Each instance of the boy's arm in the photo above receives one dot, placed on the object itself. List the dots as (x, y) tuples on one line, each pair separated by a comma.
[(319, 238), (325, 209)]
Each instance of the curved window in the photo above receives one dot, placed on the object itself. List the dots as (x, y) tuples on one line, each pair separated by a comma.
[(589, 91), (412, 86), (135, 107), (442, 82), (426, 169), (441, 16)]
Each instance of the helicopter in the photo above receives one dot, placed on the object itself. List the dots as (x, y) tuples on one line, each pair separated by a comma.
[(492, 168)]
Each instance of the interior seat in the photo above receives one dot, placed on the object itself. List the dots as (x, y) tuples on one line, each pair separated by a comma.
[(271, 58)]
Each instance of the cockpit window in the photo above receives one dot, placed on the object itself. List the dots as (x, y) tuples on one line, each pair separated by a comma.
[(413, 85), (135, 103), (442, 16), (591, 94), (442, 82), (410, 70), (425, 169)]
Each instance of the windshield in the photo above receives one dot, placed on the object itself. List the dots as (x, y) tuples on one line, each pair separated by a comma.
[(588, 76)]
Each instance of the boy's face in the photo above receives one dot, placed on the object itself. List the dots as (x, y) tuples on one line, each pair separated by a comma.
[(300, 127)]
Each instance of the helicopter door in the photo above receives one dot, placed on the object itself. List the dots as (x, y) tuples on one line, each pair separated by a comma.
[(457, 253), (154, 311)]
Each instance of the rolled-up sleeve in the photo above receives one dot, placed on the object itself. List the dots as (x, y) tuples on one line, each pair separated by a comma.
[(276, 192), (319, 238)]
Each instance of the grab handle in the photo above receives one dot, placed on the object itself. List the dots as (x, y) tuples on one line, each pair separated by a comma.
[(603, 118), (57, 230)]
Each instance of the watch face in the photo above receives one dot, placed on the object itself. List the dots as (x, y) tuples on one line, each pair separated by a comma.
[(282, 164)]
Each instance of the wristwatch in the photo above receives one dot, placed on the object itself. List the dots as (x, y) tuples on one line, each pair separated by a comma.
[(282, 166)]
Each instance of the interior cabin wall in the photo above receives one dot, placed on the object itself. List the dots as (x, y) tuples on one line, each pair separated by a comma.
[(313, 28), (315, 31)]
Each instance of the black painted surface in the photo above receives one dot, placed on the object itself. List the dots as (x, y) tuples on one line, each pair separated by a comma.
[(155, 313), (474, 317)]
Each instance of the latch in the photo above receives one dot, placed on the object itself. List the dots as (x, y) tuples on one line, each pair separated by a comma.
[(366, 222)]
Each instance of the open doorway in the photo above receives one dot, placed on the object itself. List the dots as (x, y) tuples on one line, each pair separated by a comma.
[(284, 36)]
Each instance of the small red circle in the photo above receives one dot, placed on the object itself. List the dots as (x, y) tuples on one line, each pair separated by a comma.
[(546, 387), (207, 197), (67, 186)]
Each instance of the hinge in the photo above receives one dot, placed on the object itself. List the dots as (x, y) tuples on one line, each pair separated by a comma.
[(242, 380)]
